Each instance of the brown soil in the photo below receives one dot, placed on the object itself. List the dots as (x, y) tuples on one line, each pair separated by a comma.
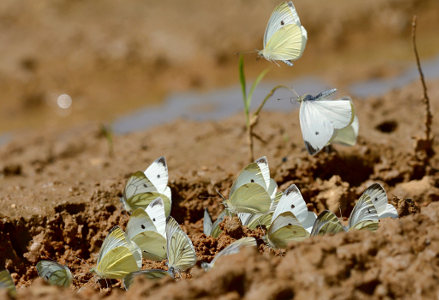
[(60, 195)]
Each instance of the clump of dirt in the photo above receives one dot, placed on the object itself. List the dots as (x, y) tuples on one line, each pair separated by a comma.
[(65, 199)]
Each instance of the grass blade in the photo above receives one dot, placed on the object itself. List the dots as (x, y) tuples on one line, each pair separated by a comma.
[(254, 85), (242, 81)]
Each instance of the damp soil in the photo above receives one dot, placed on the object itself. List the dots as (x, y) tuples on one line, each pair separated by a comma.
[(60, 192)]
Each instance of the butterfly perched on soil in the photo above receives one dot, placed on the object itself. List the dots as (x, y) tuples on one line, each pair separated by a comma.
[(144, 187), (363, 216), (233, 248), (147, 228), (118, 256), (285, 37), (291, 220), (253, 191), (54, 273), (180, 250)]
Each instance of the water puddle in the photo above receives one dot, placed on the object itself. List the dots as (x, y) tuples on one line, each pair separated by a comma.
[(221, 103)]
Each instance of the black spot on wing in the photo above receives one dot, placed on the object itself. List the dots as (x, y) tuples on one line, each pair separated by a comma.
[(311, 149), (282, 23)]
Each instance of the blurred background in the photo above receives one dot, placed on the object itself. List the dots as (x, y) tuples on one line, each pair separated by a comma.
[(70, 62)]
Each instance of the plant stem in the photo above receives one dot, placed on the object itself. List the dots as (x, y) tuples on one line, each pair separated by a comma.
[(426, 100), (251, 122)]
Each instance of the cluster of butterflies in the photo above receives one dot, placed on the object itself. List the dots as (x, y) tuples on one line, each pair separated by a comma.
[(323, 121), (153, 234), (255, 200)]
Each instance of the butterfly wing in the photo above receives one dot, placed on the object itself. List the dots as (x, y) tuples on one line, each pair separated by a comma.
[(207, 223), (233, 248), (364, 215), (284, 229), (285, 38), (262, 163), (149, 274), (249, 198), (379, 199), (6, 282), (137, 184), (327, 223), (142, 231), (180, 250), (216, 230), (252, 173), (347, 136), (319, 119), (54, 273), (118, 256), (156, 212), (254, 220), (292, 201), (157, 173)]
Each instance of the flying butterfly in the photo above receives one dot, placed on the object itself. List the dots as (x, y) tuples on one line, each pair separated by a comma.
[(143, 187), (147, 228), (285, 37), (180, 250), (6, 282), (118, 256), (54, 273), (233, 248), (320, 118), (363, 216), (149, 274)]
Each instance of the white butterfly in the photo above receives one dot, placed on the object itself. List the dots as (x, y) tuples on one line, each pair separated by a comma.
[(180, 250), (118, 256), (379, 199), (253, 190), (291, 221), (54, 273), (285, 37), (363, 216), (157, 173), (144, 187), (147, 228), (212, 229), (321, 117), (233, 248)]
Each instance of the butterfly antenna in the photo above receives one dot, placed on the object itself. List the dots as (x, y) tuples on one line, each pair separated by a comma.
[(221, 195)]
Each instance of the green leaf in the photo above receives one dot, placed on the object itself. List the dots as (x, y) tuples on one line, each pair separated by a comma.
[(242, 80), (254, 85)]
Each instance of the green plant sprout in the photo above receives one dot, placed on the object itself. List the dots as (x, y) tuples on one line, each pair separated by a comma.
[(106, 132), (252, 119)]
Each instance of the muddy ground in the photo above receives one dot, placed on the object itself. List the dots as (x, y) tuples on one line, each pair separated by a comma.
[(60, 196), (60, 184)]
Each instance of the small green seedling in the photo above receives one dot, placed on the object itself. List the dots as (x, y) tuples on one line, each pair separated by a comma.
[(252, 119)]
